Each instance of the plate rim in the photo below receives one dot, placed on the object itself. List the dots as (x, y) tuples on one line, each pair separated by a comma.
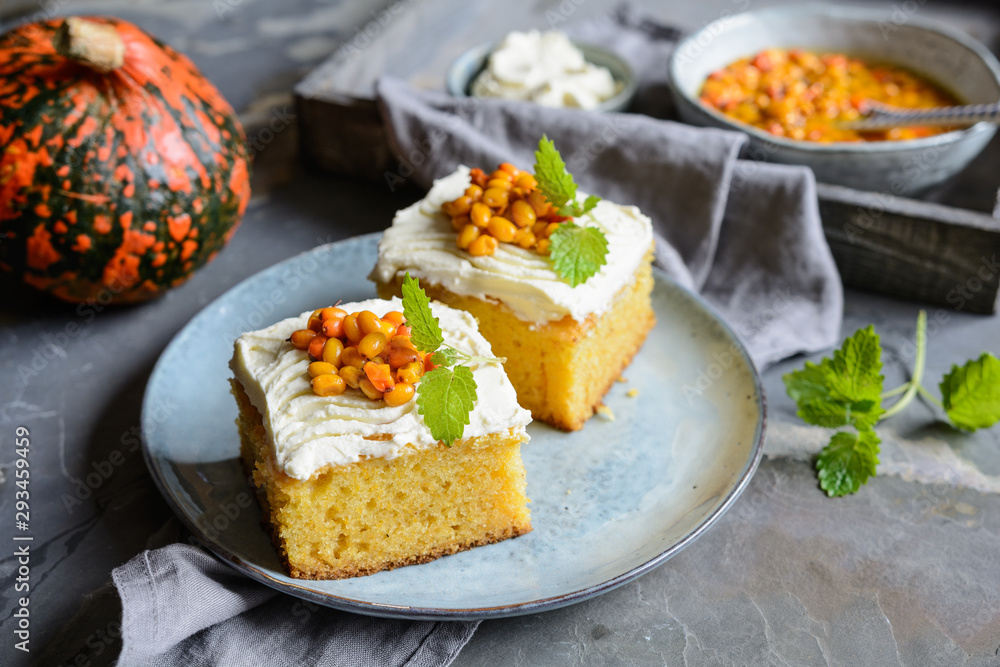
[(383, 610)]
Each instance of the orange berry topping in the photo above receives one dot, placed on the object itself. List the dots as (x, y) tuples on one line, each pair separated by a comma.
[(504, 206), (361, 351)]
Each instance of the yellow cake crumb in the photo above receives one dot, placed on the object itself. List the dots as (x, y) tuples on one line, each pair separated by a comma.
[(379, 514)]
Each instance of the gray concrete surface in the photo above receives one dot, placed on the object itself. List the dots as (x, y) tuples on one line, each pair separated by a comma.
[(903, 573)]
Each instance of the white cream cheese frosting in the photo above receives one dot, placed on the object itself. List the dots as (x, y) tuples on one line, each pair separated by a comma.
[(310, 431), (545, 68), (421, 240)]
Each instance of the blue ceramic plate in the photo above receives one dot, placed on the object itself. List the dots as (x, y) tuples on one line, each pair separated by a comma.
[(609, 502)]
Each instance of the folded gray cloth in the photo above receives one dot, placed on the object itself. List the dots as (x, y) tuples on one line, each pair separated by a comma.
[(747, 235), (181, 606)]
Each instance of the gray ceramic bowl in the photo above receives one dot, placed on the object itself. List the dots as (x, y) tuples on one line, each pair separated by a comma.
[(946, 56), (467, 67)]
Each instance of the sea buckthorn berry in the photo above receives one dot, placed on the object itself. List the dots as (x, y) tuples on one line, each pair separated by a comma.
[(459, 206), (395, 317), (499, 184), (402, 341), (315, 324), (321, 367), (352, 330), (399, 395), (538, 202), (483, 245), (542, 246), (380, 375), (368, 389), (352, 357), (551, 228), (509, 168), (401, 356), (526, 181), (428, 364), (460, 221), (402, 331), (301, 337), (369, 322), (502, 174), (522, 214), (495, 197), (388, 329), (478, 177), (372, 344), (410, 373), (465, 238), (333, 328), (332, 351), (526, 240), (538, 229), (332, 313), (480, 214), (329, 384), (502, 229), (316, 346), (351, 375), (474, 191)]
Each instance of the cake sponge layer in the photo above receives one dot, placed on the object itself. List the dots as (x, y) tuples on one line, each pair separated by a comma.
[(379, 514)]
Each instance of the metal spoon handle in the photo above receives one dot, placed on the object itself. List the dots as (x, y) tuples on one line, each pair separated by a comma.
[(882, 116)]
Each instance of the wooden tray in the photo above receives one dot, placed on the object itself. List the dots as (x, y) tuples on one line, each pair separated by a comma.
[(943, 249)]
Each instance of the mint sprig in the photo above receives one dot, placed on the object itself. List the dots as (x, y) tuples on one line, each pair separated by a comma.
[(971, 394), (556, 183), (424, 329), (446, 395), (577, 252), (847, 391)]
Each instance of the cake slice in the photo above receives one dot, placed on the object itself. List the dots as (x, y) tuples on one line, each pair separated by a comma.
[(564, 345), (352, 482)]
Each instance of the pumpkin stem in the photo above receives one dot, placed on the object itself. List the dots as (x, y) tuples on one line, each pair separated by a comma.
[(97, 45)]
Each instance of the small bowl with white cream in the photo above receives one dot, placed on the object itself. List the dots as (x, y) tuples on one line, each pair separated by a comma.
[(545, 68)]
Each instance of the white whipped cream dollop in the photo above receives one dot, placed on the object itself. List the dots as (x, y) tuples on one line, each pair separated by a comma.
[(310, 431), (545, 68), (421, 241)]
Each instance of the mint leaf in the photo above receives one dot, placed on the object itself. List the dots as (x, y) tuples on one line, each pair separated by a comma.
[(856, 367), (445, 398), (589, 203), (971, 394), (445, 356), (424, 329), (846, 389), (577, 253), (824, 413), (847, 462), (808, 384), (554, 181)]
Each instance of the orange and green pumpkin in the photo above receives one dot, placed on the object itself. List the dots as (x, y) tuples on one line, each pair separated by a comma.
[(122, 169)]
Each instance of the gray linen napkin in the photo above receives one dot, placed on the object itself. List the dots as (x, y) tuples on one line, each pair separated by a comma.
[(181, 606), (747, 235)]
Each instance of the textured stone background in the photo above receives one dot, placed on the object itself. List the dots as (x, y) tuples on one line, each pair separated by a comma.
[(906, 572)]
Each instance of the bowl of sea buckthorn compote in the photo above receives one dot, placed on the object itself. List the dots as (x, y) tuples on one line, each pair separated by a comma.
[(793, 79)]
